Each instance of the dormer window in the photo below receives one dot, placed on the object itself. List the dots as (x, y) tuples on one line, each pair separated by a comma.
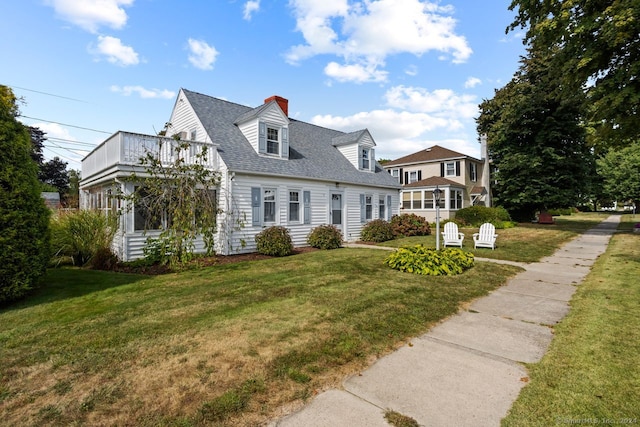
[(365, 158), (273, 142)]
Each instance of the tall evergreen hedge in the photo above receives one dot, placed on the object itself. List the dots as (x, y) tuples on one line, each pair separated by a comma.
[(24, 218)]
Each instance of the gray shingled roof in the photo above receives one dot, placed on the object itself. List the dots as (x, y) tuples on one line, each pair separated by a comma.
[(311, 153)]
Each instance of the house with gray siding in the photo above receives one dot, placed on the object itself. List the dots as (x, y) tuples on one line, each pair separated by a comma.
[(274, 170)]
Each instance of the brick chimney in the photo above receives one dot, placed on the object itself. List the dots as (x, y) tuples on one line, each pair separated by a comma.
[(282, 102)]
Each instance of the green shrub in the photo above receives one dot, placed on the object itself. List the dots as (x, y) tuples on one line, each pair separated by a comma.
[(24, 218), (156, 251), (410, 225), (426, 261), (474, 216), (83, 234), (274, 241), (377, 230), (560, 211), (325, 237)]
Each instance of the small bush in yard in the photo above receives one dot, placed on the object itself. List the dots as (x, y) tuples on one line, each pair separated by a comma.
[(478, 215), (274, 241), (325, 237), (410, 225), (377, 230), (426, 261)]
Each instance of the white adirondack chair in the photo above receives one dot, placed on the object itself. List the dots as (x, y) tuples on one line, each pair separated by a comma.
[(451, 236), (485, 237)]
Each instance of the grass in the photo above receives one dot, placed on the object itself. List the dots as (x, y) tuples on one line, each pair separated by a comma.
[(590, 373), (223, 345), (525, 243)]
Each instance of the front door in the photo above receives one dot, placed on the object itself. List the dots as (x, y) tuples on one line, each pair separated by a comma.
[(336, 211)]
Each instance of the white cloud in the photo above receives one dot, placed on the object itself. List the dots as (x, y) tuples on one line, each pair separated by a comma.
[(416, 119), (441, 102), (369, 31), (202, 55), (115, 52), (143, 92), (250, 8), (92, 14), (54, 130), (472, 82), (357, 73)]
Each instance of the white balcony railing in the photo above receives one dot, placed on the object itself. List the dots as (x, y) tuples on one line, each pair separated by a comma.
[(124, 148)]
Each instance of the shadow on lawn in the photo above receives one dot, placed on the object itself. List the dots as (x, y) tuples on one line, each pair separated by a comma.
[(65, 283)]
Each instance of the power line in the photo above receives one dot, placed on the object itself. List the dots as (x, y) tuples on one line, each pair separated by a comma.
[(49, 94), (63, 124), (53, 138)]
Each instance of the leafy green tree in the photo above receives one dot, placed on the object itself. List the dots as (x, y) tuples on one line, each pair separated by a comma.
[(620, 171), (181, 197), (24, 218), (596, 47), (54, 172), (536, 140)]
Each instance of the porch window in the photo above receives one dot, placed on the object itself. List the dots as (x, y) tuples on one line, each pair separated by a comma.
[(428, 200), (406, 200), (417, 199), (146, 212), (455, 199)]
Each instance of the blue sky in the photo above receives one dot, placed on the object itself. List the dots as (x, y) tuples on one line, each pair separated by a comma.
[(412, 72)]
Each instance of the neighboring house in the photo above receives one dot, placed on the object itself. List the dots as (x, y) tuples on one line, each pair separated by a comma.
[(463, 179), (51, 199), (275, 170)]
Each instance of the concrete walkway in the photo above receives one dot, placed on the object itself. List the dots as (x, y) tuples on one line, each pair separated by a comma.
[(466, 371)]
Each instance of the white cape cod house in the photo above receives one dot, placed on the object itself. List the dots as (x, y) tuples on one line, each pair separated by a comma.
[(274, 171)]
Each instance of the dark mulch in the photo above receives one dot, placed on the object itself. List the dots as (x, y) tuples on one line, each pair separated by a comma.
[(201, 262)]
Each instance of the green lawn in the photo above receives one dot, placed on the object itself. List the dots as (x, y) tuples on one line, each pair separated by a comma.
[(223, 345), (591, 373), (525, 243), (230, 344)]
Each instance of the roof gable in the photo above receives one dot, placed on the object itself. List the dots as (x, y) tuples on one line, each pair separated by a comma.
[(312, 154), (431, 154)]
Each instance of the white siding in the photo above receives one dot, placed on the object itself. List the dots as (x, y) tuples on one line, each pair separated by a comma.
[(184, 119), (351, 153)]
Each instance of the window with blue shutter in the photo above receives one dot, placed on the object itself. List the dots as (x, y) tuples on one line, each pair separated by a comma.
[(285, 143), (262, 137), (256, 201), (372, 160), (306, 201)]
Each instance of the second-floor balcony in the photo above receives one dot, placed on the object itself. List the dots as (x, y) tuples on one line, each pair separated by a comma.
[(126, 149)]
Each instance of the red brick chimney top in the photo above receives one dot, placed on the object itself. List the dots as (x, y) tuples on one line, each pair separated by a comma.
[(282, 102)]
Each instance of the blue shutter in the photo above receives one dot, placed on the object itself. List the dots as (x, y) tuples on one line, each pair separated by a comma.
[(306, 200), (372, 160), (285, 142), (262, 137), (256, 196), (388, 208), (359, 157), (363, 216)]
